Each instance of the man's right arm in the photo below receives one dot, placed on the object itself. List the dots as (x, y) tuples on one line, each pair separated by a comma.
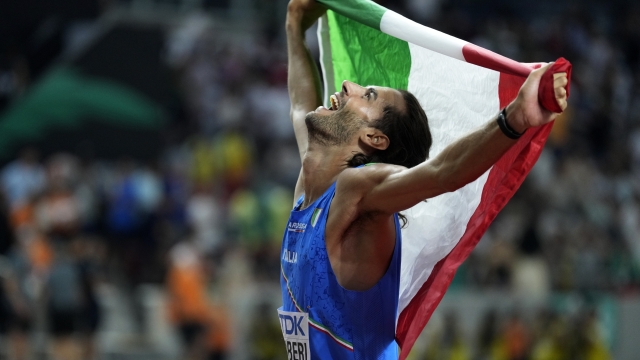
[(303, 78)]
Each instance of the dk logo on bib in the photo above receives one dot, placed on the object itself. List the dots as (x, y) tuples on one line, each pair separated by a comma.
[(295, 330)]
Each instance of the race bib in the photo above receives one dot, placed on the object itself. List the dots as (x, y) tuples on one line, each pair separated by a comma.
[(295, 330)]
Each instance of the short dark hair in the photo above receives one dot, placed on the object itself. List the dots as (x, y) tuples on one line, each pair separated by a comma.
[(408, 133)]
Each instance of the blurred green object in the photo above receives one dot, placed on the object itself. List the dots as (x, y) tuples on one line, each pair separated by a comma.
[(65, 98)]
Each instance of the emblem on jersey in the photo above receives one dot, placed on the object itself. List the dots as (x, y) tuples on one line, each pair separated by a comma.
[(315, 217), (295, 330), (297, 227)]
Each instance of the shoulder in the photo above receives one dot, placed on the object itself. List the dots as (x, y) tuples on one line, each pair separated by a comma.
[(363, 179)]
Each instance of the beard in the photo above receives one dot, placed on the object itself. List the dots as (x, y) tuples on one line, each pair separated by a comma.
[(335, 129)]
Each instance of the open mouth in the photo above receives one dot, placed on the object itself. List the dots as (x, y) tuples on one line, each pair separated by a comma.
[(335, 102)]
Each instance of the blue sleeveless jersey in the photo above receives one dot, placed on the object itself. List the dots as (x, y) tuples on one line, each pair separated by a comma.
[(343, 324)]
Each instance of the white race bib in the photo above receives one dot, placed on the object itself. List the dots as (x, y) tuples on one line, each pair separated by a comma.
[(295, 330)]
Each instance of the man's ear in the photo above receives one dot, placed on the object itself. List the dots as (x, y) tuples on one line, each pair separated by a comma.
[(375, 139)]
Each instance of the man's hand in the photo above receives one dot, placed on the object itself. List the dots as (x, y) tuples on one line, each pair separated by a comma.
[(304, 12), (525, 111)]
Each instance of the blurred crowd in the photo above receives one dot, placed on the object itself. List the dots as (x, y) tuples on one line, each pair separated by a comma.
[(547, 335), (221, 191), (73, 227)]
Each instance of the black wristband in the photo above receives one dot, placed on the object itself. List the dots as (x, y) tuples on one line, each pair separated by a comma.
[(504, 126)]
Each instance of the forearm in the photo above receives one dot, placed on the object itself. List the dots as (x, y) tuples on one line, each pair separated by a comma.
[(471, 156), (303, 77)]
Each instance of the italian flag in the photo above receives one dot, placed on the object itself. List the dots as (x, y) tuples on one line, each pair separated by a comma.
[(460, 87)]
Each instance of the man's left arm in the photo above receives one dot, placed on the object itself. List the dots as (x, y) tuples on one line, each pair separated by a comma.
[(389, 188)]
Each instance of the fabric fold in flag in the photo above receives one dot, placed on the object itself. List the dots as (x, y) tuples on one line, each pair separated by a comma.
[(458, 97)]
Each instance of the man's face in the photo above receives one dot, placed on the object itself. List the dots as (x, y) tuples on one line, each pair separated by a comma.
[(354, 108)]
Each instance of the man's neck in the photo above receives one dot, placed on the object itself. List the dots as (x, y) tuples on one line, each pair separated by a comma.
[(321, 166)]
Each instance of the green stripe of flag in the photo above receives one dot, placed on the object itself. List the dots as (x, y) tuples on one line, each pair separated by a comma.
[(364, 11), (367, 56)]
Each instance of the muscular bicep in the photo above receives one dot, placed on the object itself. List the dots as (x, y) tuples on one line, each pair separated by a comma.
[(384, 188), (401, 188)]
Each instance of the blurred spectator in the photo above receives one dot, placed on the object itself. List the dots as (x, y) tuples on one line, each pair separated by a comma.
[(205, 166), (29, 263), (245, 218), (448, 344), (57, 211), (591, 344), (148, 190), (188, 301), (205, 217), (516, 338), (64, 299), (555, 342), (89, 254), (123, 218), (235, 159), (88, 195), (16, 308), (24, 214), (38, 251), (23, 177), (218, 332), (488, 337)]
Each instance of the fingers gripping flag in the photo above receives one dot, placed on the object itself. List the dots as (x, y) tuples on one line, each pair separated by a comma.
[(457, 97)]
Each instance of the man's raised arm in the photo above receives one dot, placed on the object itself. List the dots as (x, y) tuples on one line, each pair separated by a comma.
[(389, 188), (304, 80)]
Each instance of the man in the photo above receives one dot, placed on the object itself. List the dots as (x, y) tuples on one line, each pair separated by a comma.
[(341, 250)]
